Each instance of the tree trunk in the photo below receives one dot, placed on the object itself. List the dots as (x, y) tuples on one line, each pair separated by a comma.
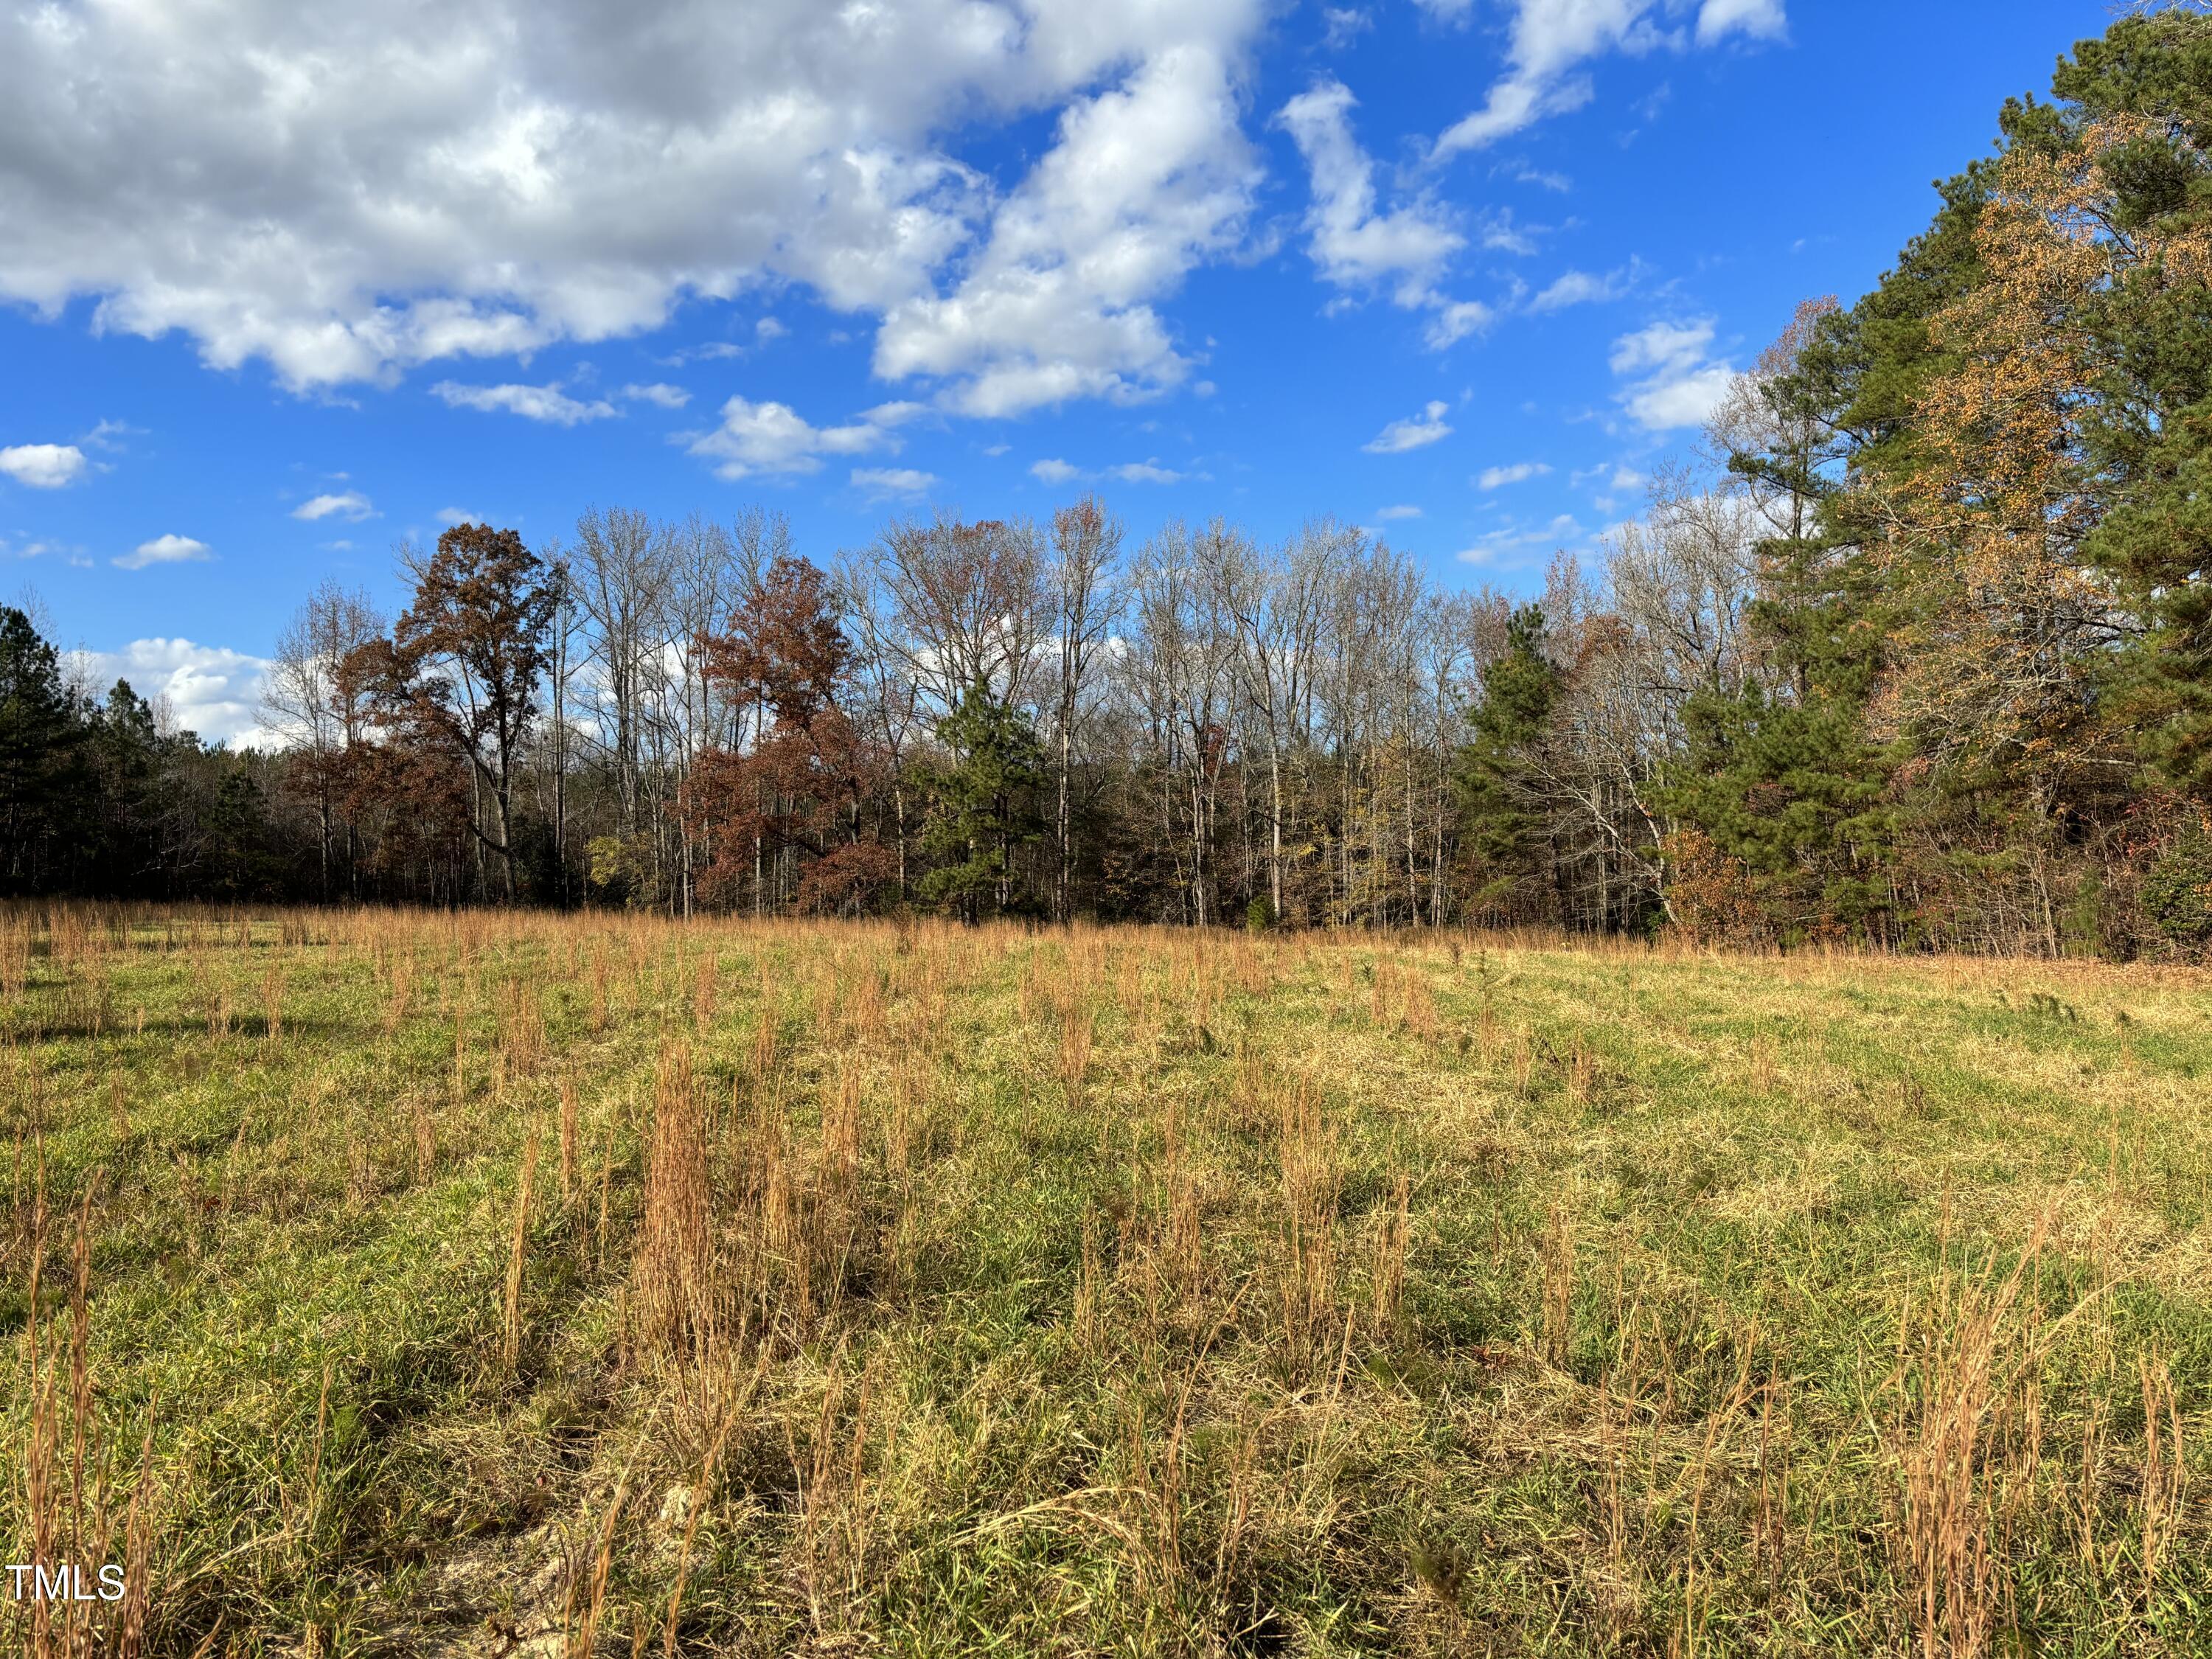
[(1066, 849), (1274, 823)]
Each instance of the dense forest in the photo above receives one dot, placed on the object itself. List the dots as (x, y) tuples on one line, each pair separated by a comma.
[(1919, 656)]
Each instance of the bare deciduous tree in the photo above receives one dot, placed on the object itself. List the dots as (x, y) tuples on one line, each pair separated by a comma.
[(322, 710)]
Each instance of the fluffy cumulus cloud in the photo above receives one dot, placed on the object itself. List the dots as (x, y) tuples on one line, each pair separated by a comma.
[(1357, 245), (772, 437), (1053, 471), (352, 506), (164, 549), (1353, 244), (1422, 430), (201, 688), (533, 403), (1674, 381), (43, 466), (347, 192), (1145, 180), (1551, 40)]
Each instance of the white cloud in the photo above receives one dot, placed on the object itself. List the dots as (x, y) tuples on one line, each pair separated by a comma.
[(713, 351), (1497, 478), (1145, 472), (164, 549), (772, 437), (1684, 400), (894, 414), (1553, 38), (1144, 180), (532, 403), (881, 481), (1574, 288), (43, 466), (352, 506), (1579, 288), (1343, 26), (1609, 476), (1760, 19), (1455, 321), (39, 550), (1524, 173), (1662, 346), (1514, 539), (1422, 429), (1053, 471), (1676, 382), (1501, 235), (345, 192), (668, 397), (1355, 245), (109, 434), (768, 328), (1390, 513), (209, 690), (450, 516)]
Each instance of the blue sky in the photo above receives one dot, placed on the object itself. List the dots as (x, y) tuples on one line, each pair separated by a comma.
[(278, 290)]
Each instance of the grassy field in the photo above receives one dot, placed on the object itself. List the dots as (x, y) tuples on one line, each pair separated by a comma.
[(490, 1284)]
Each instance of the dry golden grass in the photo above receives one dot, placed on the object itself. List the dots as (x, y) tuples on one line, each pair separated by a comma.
[(499, 1283)]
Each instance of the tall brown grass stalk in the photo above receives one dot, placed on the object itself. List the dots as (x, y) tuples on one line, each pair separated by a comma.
[(1387, 1281), (2165, 1469), (1953, 1465), (1558, 1263), (567, 1141), (517, 1257), (1312, 1181), (674, 1291)]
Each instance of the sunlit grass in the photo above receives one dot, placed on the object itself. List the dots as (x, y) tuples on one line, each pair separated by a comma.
[(910, 1289)]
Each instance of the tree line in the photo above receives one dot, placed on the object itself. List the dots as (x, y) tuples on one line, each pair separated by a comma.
[(1917, 654)]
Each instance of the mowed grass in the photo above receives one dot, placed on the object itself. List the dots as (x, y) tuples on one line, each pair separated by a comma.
[(396, 1283)]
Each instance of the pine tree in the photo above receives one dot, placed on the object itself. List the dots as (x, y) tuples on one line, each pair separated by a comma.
[(2133, 132), (1777, 787), (126, 750), (42, 765), (984, 805), (1501, 819)]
